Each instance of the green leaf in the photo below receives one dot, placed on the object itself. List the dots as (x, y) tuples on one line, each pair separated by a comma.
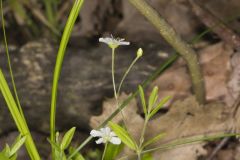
[(14, 157), (123, 135), (159, 106), (147, 156), (153, 98), (3, 156), (54, 145), (67, 138), (77, 156), (154, 139), (142, 96), (7, 150), (17, 146), (18, 117), (112, 151)]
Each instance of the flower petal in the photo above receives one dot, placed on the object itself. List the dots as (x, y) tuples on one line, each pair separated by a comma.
[(114, 43), (104, 40), (100, 140), (96, 133), (124, 43), (115, 140), (112, 134), (107, 130)]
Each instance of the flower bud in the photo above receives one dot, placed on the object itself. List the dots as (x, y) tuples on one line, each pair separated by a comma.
[(139, 52)]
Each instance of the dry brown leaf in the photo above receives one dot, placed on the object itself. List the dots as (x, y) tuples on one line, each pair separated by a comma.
[(185, 118), (216, 69)]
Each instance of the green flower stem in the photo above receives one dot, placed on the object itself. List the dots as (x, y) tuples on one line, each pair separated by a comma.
[(105, 149), (143, 132), (18, 118), (126, 73), (168, 33), (160, 69), (114, 84), (140, 148), (61, 52), (113, 73)]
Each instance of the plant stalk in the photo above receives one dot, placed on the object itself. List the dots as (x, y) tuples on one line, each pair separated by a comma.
[(184, 49)]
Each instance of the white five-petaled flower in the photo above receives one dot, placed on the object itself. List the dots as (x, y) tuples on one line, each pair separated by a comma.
[(114, 42), (105, 135)]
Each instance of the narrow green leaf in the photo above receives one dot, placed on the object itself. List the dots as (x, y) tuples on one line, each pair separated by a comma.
[(59, 61), (3, 156), (147, 156), (7, 150), (54, 145), (153, 98), (142, 97), (159, 106), (17, 146), (77, 156), (67, 138), (112, 151), (123, 135), (154, 139), (14, 157), (18, 118)]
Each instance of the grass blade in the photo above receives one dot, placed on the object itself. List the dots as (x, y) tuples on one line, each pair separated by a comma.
[(61, 52), (18, 118)]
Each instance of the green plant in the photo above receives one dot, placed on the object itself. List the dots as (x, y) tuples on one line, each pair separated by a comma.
[(10, 153), (150, 110), (60, 146)]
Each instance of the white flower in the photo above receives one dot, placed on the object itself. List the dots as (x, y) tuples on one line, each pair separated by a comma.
[(114, 42), (105, 135)]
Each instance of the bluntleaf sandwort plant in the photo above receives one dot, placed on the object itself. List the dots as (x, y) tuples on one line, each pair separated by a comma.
[(115, 137)]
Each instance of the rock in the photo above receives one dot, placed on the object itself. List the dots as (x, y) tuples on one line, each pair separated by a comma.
[(84, 83)]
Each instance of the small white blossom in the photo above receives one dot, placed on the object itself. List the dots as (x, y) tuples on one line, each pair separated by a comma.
[(105, 135), (114, 42)]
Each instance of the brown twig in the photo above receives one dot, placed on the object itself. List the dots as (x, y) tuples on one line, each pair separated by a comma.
[(168, 33), (218, 27)]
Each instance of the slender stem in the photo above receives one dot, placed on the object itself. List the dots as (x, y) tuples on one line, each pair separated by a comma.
[(143, 132), (114, 84), (9, 63), (105, 149), (139, 155), (168, 33), (125, 74), (139, 152), (113, 73)]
